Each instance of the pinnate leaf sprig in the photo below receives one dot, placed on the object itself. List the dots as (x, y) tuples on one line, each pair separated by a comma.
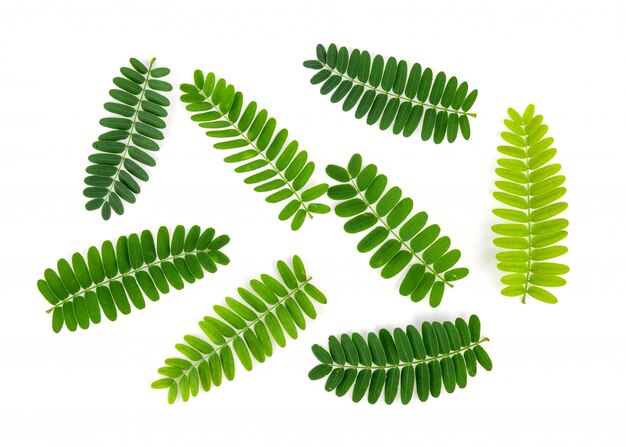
[(400, 241), (138, 120), (402, 361), (262, 150), (119, 274), (532, 188), (394, 96), (246, 329)]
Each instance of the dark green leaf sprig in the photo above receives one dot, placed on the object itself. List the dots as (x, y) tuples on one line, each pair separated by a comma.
[(394, 96), (112, 278), (403, 361), (248, 327), (401, 240), (263, 152), (531, 187), (122, 152)]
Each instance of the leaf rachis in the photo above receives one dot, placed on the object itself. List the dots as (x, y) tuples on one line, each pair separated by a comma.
[(259, 153)]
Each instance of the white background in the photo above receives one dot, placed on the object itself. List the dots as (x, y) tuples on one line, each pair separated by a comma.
[(558, 376)]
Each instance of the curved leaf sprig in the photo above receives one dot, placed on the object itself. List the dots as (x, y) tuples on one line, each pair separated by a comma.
[(127, 270), (403, 361), (530, 186), (277, 165), (273, 307), (394, 96), (139, 111), (403, 241)]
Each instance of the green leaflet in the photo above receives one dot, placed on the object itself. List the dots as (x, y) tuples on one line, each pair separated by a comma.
[(400, 241), (121, 152), (393, 95), (245, 329), (406, 363), (531, 188), (109, 280), (261, 149)]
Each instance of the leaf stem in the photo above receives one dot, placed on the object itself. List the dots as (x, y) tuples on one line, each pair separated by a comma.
[(527, 213), (131, 132), (247, 327), (259, 152), (108, 281), (408, 248), (401, 97), (414, 362)]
